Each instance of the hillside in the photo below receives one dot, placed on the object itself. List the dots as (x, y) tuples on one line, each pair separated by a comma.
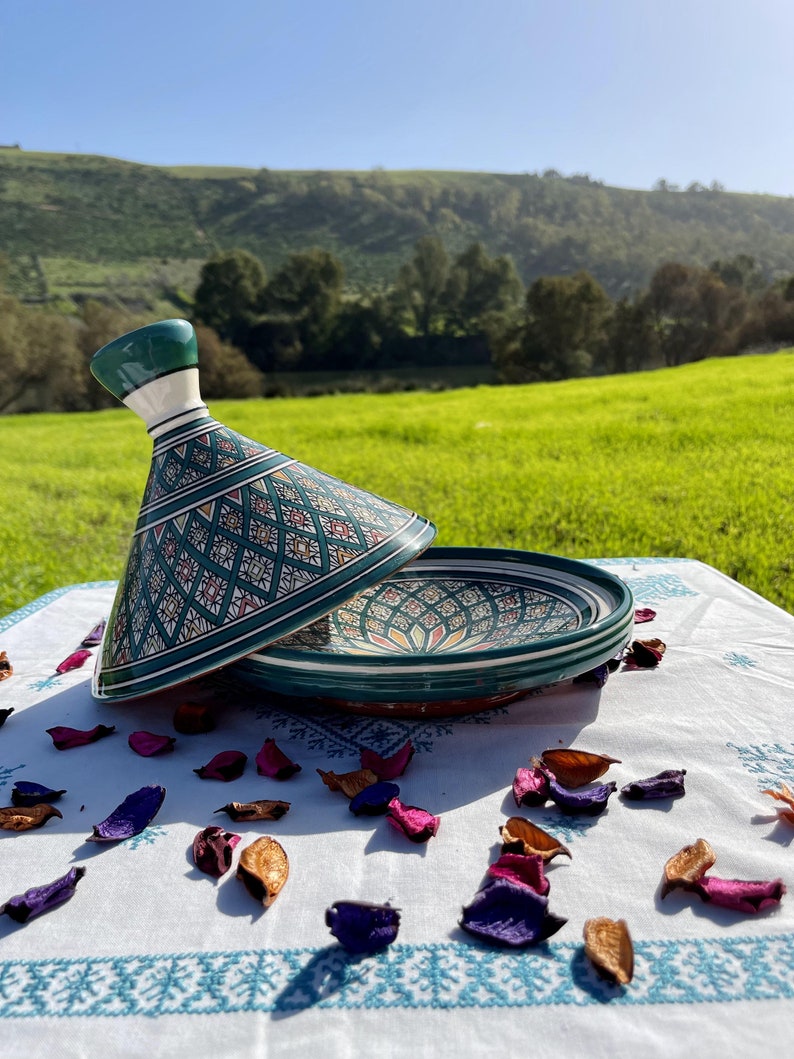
[(81, 224)]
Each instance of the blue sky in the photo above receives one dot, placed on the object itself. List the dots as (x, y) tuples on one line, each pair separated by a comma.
[(628, 91)]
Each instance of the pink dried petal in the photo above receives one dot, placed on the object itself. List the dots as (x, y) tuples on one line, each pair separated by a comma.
[(521, 869), (388, 768), (644, 654), (147, 744), (228, 765), (740, 895), (531, 787), (416, 824), (212, 850), (643, 614), (74, 661), (67, 738), (273, 762)]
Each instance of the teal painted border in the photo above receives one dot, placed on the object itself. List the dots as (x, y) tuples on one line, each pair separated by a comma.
[(441, 976)]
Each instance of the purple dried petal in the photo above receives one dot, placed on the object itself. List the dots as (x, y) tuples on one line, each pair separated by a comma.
[(147, 744), (25, 793), (134, 814), (74, 661), (590, 802), (739, 895), (374, 800), (212, 850), (388, 768), (362, 927), (94, 638), (5, 714), (416, 824), (597, 676), (506, 914), (273, 762), (667, 784), (42, 898), (521, 869), (228, 765), (643, 614), (531, 787), (67, 738)]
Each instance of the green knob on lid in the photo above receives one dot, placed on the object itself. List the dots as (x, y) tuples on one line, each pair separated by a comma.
[(139, 357)]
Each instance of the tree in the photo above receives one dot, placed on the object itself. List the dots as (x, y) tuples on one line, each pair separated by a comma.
[(421, 283), (100, 324), (229, 293), (307, 290), (479, 287), (630, 338), (40, 366), (225, 370)]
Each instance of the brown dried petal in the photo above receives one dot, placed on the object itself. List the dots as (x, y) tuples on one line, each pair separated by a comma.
[(607, 944), (263, 868), (6, 669), (260, 810), (688, 866), (349, 783), (522, 836), (575, 768), (193, 718), (25, 818)]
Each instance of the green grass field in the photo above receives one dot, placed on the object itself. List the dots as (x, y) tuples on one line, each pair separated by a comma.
[(693, 461)]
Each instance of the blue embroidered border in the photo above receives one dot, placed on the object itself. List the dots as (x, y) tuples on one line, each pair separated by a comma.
[(448, 975), (39, 604)]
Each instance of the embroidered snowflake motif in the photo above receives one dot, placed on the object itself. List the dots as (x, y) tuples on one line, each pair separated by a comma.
[(655, 588), (733, 658), (6, 773), (45, 683), (773, 763), (567, 828), (147, 837)]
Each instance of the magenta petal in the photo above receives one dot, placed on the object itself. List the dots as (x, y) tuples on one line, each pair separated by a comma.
[(531, 787), (42, 898), (147, 744), (643, 614), (521, 869), (417, 824), (74, 661), (740, 895), (388, 768), (228, 765), (130, 818), (506, 914), (270, 761), (67, 738), (212, 850), (361, 927)]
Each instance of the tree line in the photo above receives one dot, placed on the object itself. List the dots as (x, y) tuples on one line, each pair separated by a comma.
[(441, 310)]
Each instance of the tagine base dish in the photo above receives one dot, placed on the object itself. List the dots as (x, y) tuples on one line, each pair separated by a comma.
[(456, 631)]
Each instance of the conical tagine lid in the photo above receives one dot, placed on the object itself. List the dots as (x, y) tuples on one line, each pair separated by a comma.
[(236, 545)]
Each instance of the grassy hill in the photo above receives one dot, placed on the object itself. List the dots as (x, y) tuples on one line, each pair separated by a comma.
[(692, 461), (82, 224)]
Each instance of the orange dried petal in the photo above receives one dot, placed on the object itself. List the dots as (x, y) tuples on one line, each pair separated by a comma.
[(522, 836), (6, 669), (349, 783), (575, 768), (783, 795), (263, 868), (25, 818), (607, 944), (688, 866)]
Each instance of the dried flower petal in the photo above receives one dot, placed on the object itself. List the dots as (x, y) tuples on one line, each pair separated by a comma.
[(261, 810), (26, 818), (505, 914), (416, 824), (607, 944), (27, 793), (134, 814), (591, 802), (212, 850), (42, 898), (349, 783), (270, 761), (739, 895), (263, 869), (522, 836), (667, 784), (643, 614), (193, 718), (645, 654), (147, 744), (362, 928), (389, 768), (74, 661), (783, 795), (68, 738), (688, 866), (226, 766), (94, 638), (531, 787), (374, 800), (598, 676), (6, 713), (6, 669), (522, 870), (575, 768)]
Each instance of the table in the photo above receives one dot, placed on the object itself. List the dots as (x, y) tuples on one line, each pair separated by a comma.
[(151, 957)]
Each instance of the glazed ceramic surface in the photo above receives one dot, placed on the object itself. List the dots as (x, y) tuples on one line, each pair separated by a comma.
[(236, 544), (459, 629)]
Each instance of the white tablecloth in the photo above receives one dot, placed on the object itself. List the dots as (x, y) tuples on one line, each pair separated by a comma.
[(152, 958)]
